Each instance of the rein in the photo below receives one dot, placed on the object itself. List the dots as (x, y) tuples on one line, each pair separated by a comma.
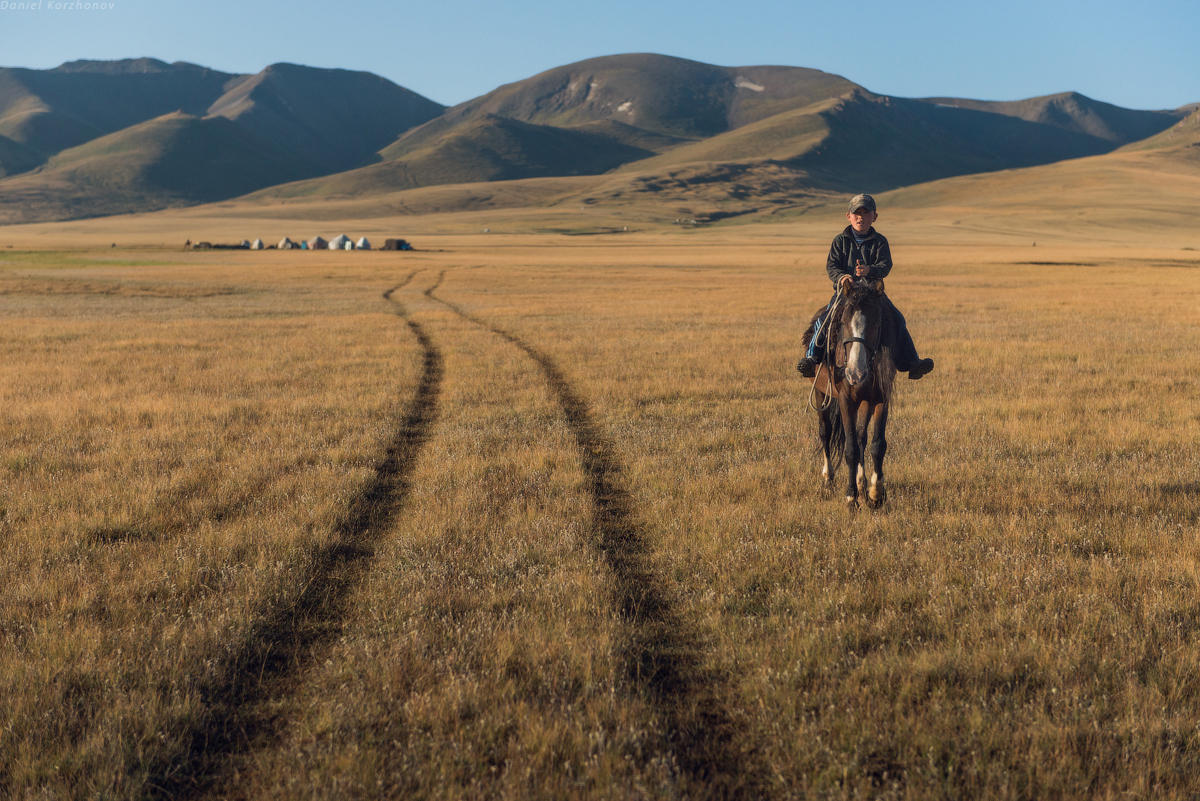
[(824, 332)]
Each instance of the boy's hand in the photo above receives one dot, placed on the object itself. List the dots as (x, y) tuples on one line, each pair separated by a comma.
[(861, 269), (845, 281)]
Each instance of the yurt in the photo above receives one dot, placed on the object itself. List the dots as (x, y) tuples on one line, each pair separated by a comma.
[(340, 242), (363, 244), (287, 244), (245, 244), (256, 244), (318, 243)]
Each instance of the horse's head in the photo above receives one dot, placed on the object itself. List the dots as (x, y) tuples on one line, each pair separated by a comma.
[(861, 329)]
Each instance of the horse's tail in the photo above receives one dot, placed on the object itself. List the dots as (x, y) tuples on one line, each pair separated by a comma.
[(837, 434)]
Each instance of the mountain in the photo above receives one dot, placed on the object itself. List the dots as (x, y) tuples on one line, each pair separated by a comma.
[(1072, 111), (333, 119), (48, 111), (656, 93), (830, 133), (646, 103), (95, 137), (176, 159), (103, 137), (488, 148)]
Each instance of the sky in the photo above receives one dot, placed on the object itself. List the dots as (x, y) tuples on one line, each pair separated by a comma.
[(1143, 55)]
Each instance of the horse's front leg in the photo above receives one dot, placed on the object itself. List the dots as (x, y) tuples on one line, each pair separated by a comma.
[(877, 493), (861, 481), (854, 450), (825, 424)]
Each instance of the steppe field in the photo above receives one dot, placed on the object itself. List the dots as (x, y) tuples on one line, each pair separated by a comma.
[(531, 515)]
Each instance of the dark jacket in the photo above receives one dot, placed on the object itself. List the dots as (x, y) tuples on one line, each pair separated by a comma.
[(844, 251)]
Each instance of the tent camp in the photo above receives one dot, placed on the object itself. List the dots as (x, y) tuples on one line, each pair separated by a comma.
[(287, 244), (363, 244), (340, 242), (317, 243), (256, 244)]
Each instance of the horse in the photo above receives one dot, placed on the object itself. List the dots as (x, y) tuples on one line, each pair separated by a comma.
[(856, 380)]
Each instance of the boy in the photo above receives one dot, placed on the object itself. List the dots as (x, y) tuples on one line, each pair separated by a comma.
[(861, 251)]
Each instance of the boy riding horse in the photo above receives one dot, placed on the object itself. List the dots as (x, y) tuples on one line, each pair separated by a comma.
[(861, 251)]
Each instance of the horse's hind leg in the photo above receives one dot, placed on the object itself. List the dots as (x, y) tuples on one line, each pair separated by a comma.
[(877, 492)]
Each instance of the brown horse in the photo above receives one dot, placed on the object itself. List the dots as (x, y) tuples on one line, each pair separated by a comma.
[(853, 382)]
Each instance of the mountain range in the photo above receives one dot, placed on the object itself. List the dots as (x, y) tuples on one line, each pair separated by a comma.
[(92, 138)]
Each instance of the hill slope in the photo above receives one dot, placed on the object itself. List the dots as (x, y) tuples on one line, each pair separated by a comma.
[(488, 148), (51, 110), (657, 93), (1180, 142), (335, 119), (112, 137), (1072, 111), (177, 159)]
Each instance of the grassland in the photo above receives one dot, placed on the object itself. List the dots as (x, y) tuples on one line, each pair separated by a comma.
[(539, 516)]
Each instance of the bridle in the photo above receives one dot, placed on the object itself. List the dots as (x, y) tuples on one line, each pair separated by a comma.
[(872, 348)]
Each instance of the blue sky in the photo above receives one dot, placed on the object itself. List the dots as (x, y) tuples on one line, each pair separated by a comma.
[(1135, 54)]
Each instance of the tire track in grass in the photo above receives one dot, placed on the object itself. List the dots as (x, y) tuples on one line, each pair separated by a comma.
[(664, 655), (267, 664)]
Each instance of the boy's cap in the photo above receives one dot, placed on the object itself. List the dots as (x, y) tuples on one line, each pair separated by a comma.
[(863, 201)]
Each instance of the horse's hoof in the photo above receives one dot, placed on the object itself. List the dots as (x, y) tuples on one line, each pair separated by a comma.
[(877, 498), (826, 485), (851, 503)]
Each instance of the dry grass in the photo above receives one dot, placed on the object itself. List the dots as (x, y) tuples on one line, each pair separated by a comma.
[(605, 567)]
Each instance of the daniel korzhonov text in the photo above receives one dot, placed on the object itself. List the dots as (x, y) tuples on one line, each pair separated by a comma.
[(54, 5)]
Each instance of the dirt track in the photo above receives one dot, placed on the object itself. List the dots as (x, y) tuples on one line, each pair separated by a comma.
[(267, 665), (665, 653)]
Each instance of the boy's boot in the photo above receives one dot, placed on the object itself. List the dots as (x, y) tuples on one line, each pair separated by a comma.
[(919, 368), (807, 366), (907, 359)]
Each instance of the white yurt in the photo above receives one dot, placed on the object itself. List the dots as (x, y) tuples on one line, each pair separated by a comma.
[(256, 244), (246, 244), (317, 243), (340, 242), (363, 244), (286, 244)]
